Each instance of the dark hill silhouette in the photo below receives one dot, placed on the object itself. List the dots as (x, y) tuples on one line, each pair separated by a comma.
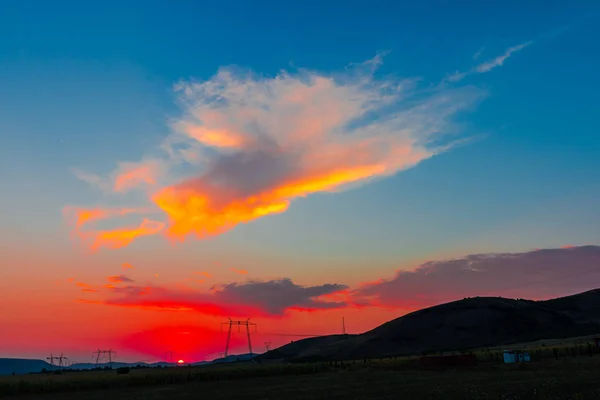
[(460, 325), (25, 366), (9, 366), (583, 307)]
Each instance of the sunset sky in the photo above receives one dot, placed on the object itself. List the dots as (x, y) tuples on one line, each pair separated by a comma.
[(167, 165)]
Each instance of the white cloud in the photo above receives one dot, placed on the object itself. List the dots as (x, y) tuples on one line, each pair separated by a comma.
[(487, 65), (499, 61), (246, 146), (478, 53)]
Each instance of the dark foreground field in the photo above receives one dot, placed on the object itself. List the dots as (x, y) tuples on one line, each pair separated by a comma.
[(576, 378)]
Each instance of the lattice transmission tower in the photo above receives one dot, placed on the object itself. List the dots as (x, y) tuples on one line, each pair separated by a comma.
[(246, 323)]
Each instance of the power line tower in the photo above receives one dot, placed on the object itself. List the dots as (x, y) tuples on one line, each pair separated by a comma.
[(268, 345), (61, 360), (239, 324), (110, 353), (51, 359), (169, 356), (343, 326)]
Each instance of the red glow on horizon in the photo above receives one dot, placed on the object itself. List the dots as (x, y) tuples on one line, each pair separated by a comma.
[(188, 342)]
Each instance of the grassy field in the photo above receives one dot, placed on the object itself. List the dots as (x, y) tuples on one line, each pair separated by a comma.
[(566, 378)]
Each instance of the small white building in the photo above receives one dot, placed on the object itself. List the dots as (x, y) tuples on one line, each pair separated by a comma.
[(515, 356)]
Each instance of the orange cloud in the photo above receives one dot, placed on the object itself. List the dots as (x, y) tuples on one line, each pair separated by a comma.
[(122, 237), (261, 143), (207, 210), (114, 238), (86, 288), (206, 274), (239, 271), (119, 279), (81, 216), (127, 266), (133, 174), (215, 137)]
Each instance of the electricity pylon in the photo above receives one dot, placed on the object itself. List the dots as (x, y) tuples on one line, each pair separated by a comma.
[(239, 324)]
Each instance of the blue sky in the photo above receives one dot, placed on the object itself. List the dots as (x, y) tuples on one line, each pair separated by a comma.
[(86, 85)]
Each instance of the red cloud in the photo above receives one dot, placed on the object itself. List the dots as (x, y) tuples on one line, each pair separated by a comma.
[(257, 298)]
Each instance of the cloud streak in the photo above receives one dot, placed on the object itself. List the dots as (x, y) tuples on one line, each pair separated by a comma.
[(499, 61), (490, 64), (83, 221), (119, 279), (239, 271), (247, 146)]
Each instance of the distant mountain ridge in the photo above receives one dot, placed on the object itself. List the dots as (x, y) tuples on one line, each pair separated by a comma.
[(20, 366), (10, 366), (460, 325)]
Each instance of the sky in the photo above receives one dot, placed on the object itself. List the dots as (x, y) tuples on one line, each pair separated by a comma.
[(167, 166)]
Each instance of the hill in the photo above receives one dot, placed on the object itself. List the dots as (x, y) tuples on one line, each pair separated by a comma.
[(20, 366), (583, 307), (460, 325), (8, 366)]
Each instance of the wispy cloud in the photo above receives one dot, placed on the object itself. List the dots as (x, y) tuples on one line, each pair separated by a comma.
[(86, 288), (121, 237), (499, 61), (239, 271), (131, 175), (127, 176), (489, 64), (119, 279), (478, 53), (82, 218), (247, 146)]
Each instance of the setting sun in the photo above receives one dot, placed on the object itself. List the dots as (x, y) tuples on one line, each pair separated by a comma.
[(180, 362)]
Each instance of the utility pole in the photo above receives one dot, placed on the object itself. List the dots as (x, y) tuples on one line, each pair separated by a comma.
[(268, 345), (343, 326), (239, 324), (104, 352), (51, 359), (169, 356), (62, 361)]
